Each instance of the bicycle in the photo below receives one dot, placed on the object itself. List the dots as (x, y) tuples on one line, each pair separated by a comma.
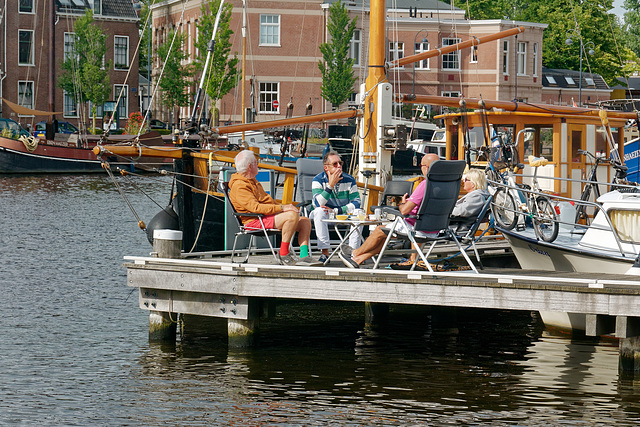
[(536, 206), (592, 184)]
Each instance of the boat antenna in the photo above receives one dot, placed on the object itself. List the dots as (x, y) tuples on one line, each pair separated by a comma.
[(210, 48)]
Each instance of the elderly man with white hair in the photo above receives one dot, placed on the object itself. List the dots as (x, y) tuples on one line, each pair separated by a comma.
[(248, 196)]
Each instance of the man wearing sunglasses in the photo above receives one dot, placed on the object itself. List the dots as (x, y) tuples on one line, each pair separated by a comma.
[(333, 191)]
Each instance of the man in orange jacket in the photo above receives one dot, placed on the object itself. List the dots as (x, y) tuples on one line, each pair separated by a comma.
[(247, 195)]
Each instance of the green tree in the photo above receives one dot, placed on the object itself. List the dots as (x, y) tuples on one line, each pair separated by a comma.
[(83, 75), (632, 25), (176, 75), (337, 66), (223, 72)]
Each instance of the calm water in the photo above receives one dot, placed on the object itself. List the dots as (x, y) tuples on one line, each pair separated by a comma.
[(74, 347)]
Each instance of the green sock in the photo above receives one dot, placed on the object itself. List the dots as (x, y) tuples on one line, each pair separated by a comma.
[(304, 251)]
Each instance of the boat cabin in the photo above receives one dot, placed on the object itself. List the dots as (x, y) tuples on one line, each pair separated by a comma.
[(557, 137)]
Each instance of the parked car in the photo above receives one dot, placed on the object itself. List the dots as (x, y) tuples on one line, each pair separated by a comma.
[(157, 124), (13, 126), (63, 127)]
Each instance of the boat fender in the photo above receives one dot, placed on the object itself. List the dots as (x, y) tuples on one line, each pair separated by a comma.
[(166, 219), (635, 268)]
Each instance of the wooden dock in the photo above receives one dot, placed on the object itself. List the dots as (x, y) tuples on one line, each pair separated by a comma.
[(209, 286)]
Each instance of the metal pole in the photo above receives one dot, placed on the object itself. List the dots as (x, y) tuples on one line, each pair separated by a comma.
[(580, 82)]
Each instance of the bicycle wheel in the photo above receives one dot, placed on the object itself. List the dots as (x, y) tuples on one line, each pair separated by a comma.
[(545, 220), (581, 208), (503, 209)]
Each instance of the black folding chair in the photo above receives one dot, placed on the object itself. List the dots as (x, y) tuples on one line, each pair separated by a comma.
[(433, 217), (466, 228), (251, 232)]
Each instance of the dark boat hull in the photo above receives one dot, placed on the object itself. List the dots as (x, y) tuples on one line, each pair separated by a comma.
[(54, 157)]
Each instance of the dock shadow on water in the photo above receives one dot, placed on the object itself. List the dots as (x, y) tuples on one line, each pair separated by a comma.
[(317, 363), (74, 348)]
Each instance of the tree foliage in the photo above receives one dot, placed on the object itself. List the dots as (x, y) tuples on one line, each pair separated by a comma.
[(594, 21), (223, 72), (177, 74), (83, 74), (337, 66)]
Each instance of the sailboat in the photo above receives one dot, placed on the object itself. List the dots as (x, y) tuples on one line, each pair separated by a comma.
[(199, 206), (54, 152)]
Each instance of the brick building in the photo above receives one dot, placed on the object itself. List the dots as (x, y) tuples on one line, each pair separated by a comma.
[(25, 55), (283, 39)]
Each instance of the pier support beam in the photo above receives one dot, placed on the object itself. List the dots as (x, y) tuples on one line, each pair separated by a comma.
[(161, 326), (375, 312), (242, 332), (599, 324), (629, 361)]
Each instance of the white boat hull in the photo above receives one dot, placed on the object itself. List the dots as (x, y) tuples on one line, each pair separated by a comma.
[(536, 255)]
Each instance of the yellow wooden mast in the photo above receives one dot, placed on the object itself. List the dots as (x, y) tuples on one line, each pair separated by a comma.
[(376, 85)]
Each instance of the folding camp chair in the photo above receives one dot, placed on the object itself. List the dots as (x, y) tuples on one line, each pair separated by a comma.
[(466, 228), (433, 217), (307, 170), (251, 232)]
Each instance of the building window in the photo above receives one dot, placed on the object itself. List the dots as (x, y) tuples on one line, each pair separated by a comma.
[(25, 6), (269, 30), (396, 51), (69, 45), (570, 80), (269, 92), (70, 106), (590, 81), (522, 58), (505, 57), (25, 47), (99, 110), (451, 94), (551, 80), (25, 94), (451, 60), (121, 52), (121, 93), (419, 48), (535, 59), (474, 54), (97, 7), (355, 47)]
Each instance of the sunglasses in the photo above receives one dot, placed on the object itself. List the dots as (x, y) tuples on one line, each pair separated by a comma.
[(335, 164)]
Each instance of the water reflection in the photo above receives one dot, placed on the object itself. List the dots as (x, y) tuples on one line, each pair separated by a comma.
[(498, 368)]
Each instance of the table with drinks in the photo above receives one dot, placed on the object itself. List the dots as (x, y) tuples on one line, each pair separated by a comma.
[(355, 220)]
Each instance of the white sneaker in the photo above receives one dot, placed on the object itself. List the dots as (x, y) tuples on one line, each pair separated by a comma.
[(308, 262), (287, 259)]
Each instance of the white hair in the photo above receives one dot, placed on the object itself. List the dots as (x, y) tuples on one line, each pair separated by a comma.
[(244, 159)]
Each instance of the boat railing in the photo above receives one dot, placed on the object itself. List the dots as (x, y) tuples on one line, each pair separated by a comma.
[(556, 199)]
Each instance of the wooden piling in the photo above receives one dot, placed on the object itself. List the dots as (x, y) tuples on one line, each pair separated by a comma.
[(162, 326), (375, 312), (629, 361)]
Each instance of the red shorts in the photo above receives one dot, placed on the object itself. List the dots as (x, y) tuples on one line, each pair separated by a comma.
[(269, 221)]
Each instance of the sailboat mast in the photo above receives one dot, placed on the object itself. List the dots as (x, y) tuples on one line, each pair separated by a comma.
[(370, 158), (52, 57), (244, 56)]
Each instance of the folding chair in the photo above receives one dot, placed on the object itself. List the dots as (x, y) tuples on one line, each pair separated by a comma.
[(251, 232), (466, 228), (392, 188), (307, 170), (433, 217)]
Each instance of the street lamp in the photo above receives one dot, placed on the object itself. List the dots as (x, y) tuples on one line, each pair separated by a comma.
[(590, 45), (415, 40)]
